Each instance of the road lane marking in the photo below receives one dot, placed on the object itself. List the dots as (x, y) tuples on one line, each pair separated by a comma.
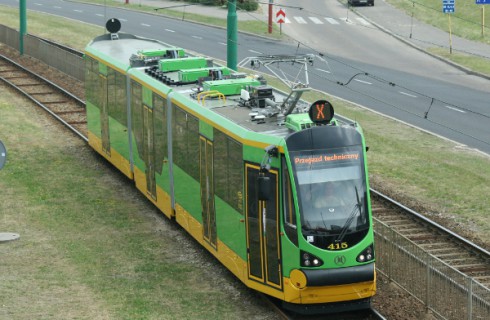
[(332, 21), (407, 94), (455, 109), (326, 71), (316, 20), (169, 30), (300, 20), (362, 81), (363, 21)]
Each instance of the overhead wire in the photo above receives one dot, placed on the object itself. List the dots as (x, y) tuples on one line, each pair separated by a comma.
[(324, 57)]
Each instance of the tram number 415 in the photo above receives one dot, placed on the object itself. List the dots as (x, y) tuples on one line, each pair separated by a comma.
[(338, 246)]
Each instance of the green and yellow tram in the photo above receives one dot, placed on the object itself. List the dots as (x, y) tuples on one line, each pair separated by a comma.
[(277, 190)]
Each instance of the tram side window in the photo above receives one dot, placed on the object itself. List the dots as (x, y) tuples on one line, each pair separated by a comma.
[(228, 170), (160, 124), (91, 79), (290, 225), (137, 114), (116, 96), (185, 129)]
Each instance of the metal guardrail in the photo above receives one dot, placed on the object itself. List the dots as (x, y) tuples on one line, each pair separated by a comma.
[(445, 291)]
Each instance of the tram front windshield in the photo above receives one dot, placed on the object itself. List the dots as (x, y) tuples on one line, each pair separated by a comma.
[(331, 191)]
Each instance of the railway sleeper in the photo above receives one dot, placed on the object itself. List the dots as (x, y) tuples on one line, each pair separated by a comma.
[(70, 112), (456, 253), (422, 237), (467, 268), (14, 77), (47, 92), (53, 102), (395, 222), (30, 84)]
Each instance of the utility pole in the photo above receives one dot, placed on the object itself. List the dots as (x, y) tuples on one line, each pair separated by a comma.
[(23, 25), (271, 3), (232, 38)]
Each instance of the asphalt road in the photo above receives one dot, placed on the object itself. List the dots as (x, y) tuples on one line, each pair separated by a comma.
[(354, 62)]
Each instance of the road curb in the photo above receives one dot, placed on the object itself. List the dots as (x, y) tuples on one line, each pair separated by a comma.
[(413, 45)]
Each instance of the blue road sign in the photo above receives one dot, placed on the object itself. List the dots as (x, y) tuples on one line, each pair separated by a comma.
[(482, 1), (448, 5)]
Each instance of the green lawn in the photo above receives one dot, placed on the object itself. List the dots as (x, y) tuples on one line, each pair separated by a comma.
[(423, 170), (91, 247)]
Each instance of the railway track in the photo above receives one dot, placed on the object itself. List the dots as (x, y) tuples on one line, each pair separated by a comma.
[(440, 242), (454, 250), (370, 314), (58, 102)]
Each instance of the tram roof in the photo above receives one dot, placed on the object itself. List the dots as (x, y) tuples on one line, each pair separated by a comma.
[(118, 52)]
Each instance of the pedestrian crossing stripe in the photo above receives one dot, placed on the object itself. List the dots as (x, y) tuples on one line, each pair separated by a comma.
[(332, 21)]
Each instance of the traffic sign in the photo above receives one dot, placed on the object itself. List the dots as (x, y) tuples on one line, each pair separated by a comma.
[(482, 1), (448, 6), (280, 16)]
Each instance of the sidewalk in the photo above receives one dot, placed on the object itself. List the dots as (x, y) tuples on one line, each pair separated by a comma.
[(418, 34)]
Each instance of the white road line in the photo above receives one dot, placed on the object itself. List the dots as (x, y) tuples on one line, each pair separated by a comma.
[(123, 20), (57, 7), (99, 14), (408, 94), (326, 71), (455, 109), (169, 30), (197, 37), (286, 20), (145, 25), (315, 20), (253, 51), (363, 21), (79, 11), (300, 20), (222, 43), (38, 4), (332, 21), (362, 81)]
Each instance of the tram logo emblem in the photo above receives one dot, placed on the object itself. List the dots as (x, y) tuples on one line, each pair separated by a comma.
[(339, 260)]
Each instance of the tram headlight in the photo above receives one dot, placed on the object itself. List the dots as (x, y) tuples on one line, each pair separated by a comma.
[(309, 260), (366, 255)]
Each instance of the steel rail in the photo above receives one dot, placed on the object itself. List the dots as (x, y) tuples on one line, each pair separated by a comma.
[(415, 214), (37, 102), (434, 224)]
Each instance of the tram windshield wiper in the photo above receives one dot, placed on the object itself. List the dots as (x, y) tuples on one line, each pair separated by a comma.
[(348, 222)]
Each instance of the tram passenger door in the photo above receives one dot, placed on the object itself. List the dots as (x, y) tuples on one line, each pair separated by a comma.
[(149, 151), (263, 247), (104, 115), (207, 191)]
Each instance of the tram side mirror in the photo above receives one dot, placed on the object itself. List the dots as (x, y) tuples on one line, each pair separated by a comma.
[(264, 188)]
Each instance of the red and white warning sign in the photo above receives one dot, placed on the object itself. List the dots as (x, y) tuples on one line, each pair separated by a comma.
[(280, 16)]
